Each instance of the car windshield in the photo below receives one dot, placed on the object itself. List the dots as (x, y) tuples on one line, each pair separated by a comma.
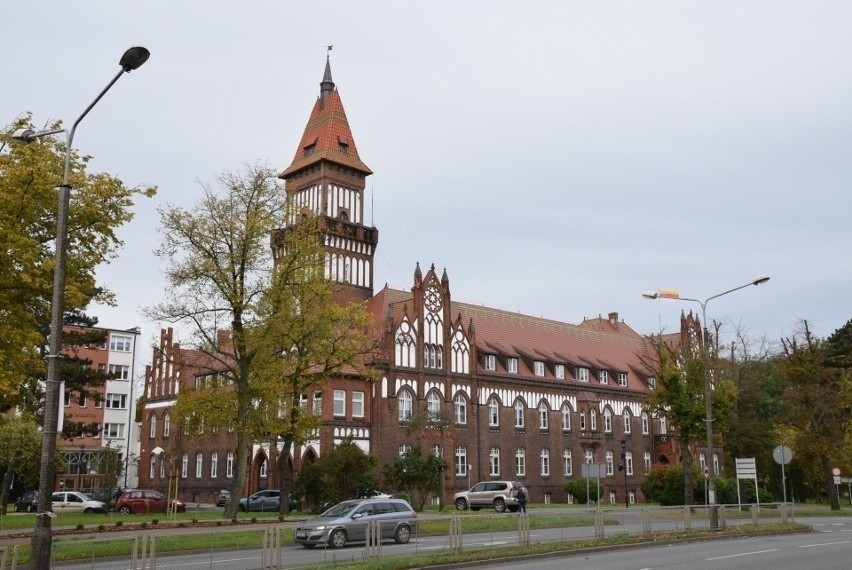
[(340, 509)]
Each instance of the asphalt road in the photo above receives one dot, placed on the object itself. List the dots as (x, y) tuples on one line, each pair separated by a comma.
[(830, 546)]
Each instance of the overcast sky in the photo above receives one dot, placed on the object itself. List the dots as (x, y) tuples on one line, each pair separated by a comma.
[(557, 158)]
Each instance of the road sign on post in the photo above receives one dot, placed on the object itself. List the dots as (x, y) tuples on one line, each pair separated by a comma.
[(783, 455)]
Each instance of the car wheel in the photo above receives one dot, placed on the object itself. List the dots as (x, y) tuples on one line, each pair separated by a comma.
[(461, 505), (500, 505), (32, 508), (403, 535), (125, 510), (337, 538), (88, 511)]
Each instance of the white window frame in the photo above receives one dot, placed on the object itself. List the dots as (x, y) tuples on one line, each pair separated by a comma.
[(490, 362), (538, 368), (167, 424), (115, 401), (357, 404), (404, 448), (113, 430), (153, 431), (628, 421), (512, 365), (521, 462), (460, 407), (152, 466), (566, 417), (647, 460), (582, 374), (461, 461), (120, 371), (603, 377), (493, 412), (340, 403), (545, 462), (264, 469), (607, 418), (542, 416), (582, 420), (559, 371), (214, 465), (610, 463), (652, 382), (494, 462), (628, 462), (646, 427), (184, 465), (404, 404), (593, 419), (433, 406), (519, 414), (622, 379), (199, 465), (120, 343), (567, 463)]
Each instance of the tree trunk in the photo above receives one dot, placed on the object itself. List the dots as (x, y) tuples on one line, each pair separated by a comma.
[(833, 497), (7, 484), (286, 479), (688, 485), (238, 484)]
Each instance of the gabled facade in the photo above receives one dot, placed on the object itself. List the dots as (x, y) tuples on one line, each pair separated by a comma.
[(499, 395)]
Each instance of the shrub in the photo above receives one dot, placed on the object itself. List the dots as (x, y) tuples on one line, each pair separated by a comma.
[(156, 521), (577, 489), (234, 521), (119, 523), (218, 523), (194, 521), (144, 525), (253, 520), (101, 528), (81, 526), (181, 525)]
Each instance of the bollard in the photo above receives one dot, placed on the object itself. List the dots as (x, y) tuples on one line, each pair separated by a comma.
[(723, 519), (753, 510), (455, 538), (646, 521), (524, 529)]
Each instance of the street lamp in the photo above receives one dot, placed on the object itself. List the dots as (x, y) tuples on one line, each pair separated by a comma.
[(41, 543), (708, 386)]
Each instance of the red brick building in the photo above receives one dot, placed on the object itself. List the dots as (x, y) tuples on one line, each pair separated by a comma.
[(517, 397)]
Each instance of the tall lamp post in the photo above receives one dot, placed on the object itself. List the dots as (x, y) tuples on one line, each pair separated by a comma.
[(41, 542), (623, 466), (708, 383)]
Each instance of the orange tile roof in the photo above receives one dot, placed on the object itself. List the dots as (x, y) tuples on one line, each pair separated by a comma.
[(326, 130)]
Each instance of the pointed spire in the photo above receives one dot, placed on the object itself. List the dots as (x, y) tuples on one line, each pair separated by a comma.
[(418, 275), (327, 83), (445, 280)]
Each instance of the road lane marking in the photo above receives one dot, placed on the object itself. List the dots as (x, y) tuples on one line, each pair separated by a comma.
[(824, 544), (743, 554)]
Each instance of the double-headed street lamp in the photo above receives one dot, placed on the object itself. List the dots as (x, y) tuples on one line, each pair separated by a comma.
[(41, 542), (708, 383)]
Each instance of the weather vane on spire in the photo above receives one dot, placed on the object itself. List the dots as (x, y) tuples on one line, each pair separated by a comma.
[(329, 48)]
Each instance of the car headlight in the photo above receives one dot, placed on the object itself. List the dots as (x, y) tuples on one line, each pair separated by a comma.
[(320, 527)]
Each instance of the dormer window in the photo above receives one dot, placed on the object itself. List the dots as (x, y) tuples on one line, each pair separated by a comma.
[(622, 379), (652, 382), (603, 377), (309, 149), (538, 368), (512, 365), (559, 371), (342, 145), (490, 362), (582, 374)]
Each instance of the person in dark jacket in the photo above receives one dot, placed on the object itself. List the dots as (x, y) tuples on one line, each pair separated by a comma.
[(521, 495)]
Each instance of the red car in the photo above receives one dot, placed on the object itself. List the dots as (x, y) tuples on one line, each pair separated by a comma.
[(145, 501)]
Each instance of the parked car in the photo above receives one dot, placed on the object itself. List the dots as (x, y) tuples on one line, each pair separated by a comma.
[(28, 502), (74, 502), (501, 495), (347, 522), (268, 501), (222, 497), (134, 501), (106, 496)]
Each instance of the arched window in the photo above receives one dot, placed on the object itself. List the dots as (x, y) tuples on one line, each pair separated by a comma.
[(184, 465), (610, 467), (493, 412), (628, 462), (607, 418), (461, 409), (214, 465), (593, 420), (153, 419), (404, 448), (494, 462), (521, 462), (519, 414), (567, 463), (199, 465), (645, 424), (433, 406), (229, 465), (545, 462), (589, 456), (167, 424), (542, 415), (628, 417), (582, 420), (404, 406), (152, 466), (647, 458), (566, 417)]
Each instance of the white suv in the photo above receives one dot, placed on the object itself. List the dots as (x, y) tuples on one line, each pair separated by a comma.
[(501, 495)]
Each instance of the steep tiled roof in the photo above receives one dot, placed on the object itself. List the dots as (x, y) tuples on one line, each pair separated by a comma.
[(327, 135), (512, 334)]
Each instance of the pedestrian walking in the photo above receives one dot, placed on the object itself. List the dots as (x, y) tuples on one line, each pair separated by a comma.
[(521, 495)]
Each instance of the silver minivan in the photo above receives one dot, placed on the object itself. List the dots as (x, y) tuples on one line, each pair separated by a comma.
[(347, 522)]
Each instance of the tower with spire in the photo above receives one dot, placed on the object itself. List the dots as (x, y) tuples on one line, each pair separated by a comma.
[(328, 178)]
